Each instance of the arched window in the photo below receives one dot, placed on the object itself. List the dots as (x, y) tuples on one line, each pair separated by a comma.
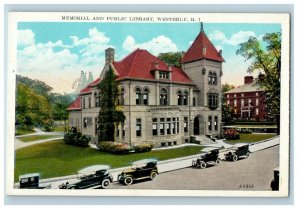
[(214, 78), (122, 97), (163, 97), (179, 98), (146, 96), (138, 96), (185, 98)]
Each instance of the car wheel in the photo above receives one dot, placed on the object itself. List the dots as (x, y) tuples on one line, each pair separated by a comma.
[(153, 175), (248, 155), (194, 163), (202, 165), (105, 183), (218, 161), (128, 180), (235, 158)]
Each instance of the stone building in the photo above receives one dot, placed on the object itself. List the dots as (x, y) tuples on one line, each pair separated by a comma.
[(163, 105), (247, 101)]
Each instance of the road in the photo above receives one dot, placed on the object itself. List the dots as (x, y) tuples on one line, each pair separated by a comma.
[(253, 174)]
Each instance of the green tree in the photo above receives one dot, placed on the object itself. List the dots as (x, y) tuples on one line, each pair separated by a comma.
[(171, 58), (266, 59), (32, 109), (226, 110), (108, 115)]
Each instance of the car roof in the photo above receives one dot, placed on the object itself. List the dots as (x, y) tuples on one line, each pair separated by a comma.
[(207, 149), (28, 175), (93, 168), (144, 161)]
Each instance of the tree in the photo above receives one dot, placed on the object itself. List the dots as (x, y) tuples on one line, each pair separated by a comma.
[(108, 115), (267, 61), (171, 58), (226, 110)]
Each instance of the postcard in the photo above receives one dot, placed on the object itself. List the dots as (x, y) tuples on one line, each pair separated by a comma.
[(148, 104)]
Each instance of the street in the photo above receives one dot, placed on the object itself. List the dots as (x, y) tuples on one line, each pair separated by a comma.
[(254, 173)]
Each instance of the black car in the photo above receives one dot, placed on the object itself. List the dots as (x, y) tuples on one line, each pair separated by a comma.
[(208, 155), (31, 181), (275, 181), (238, 151), (142, 169), (90, 177)]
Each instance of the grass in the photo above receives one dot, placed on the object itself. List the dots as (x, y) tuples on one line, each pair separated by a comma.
[(55, 158), (23, 132), (59, 128), (35, 138), (250, 138)]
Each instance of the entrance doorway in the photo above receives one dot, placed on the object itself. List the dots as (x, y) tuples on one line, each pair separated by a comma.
[(199, 125)]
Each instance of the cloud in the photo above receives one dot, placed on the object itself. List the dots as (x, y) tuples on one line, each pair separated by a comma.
[(156, 45), (235, 39), (25, 38), (59, 64)]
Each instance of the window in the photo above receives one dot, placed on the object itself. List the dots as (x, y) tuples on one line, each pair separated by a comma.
[(96, 99), (146, 96), (117, 130), (242, 95), (249, 102), (154, 126), (209, 123), (234, 95), (162, 126), (256, 111), (87, 122), (96, 125), (163, 75), (179, 98), (174, 126), (186, 126), (138, 127), (122, 97), (138, 96), (228, 102), (242, 102), (185, 98), (163, 97), (256, 94), (234, 103), (83, 103), (212, 78), (227, 95), (123, 129), (216, 122), (213, 101), (168, 124), (194, 101), (90, 102), (257, 102), (177, 121)]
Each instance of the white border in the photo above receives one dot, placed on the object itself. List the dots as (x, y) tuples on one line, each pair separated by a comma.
[(283, 19)]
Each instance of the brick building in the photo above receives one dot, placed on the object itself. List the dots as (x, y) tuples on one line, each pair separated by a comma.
[(163, 105), (247, 101)]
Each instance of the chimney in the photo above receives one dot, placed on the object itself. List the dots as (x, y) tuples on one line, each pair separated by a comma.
[(220, 52), (248, 80), (170, 72), (109, 55)]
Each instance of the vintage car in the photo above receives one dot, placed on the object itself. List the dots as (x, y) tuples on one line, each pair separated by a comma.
[(238, 151), (31, 181), (142, 169), (90, 177), (207, 156), (275, 181)]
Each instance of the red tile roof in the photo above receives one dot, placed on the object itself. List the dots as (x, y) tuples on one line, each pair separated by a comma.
[(88, 88), (196, 52), (140, 64), (76, 105)]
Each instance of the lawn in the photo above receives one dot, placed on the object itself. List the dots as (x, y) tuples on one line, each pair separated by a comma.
[(35, 138), (55, 158), (59, 128), (23, 132), (250, 138)]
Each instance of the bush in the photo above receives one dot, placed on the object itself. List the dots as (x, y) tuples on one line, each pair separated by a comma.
[(76, 138), (114, 147), (142, 148), (49, 128), (231, 134)]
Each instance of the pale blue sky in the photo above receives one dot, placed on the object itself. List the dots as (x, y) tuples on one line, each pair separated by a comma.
[(56, 52)]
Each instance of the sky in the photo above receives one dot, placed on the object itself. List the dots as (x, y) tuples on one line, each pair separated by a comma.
[(57, 52)]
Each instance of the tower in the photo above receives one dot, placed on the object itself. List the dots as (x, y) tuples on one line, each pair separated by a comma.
[(203, 64)]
